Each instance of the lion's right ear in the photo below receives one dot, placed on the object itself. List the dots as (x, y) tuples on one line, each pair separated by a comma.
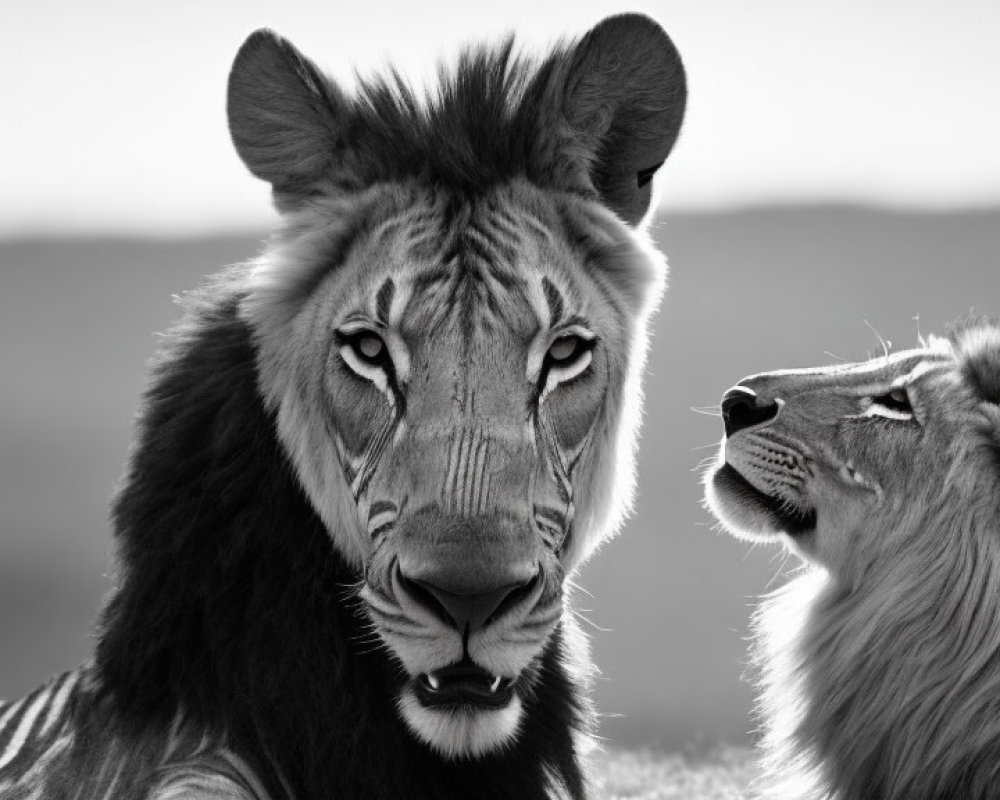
[(286, 119)]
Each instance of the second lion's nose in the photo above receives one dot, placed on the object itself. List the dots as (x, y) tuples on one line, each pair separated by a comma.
[(742, 408)]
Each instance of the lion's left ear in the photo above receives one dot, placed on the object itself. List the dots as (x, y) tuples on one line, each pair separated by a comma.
[(624, 101), (977, 347)]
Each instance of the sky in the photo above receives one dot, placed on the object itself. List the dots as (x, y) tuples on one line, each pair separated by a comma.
[(113, 112)]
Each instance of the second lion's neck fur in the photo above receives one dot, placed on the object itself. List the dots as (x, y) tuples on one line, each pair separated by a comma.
[(888, 688)]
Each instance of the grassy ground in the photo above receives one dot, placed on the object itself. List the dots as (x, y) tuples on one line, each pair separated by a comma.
[(723, 774)]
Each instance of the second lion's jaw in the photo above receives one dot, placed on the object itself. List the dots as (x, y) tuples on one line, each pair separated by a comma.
[(747, 511), (856, 479)]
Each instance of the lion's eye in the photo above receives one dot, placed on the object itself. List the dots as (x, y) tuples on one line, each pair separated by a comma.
[(366, 353), (897, 400), (368, 346), (567, 357), (566, 348), (892, 405)]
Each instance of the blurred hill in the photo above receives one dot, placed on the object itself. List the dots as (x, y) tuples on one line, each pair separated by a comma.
[(750, 290)]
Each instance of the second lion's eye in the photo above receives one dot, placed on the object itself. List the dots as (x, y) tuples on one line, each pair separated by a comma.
[(896, 400), (894, 404)]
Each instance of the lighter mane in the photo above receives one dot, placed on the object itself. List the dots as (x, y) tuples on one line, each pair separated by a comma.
[(886, 683)]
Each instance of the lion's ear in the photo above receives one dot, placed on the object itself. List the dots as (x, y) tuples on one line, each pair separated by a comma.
[(624, 100), (287, 120), (977, 347)]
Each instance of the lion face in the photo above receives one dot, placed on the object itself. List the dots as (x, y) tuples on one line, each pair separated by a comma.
[(452, 396), (843, 462)]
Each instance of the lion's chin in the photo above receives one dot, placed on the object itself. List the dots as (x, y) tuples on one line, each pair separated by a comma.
[(748, 513), (461, 731)]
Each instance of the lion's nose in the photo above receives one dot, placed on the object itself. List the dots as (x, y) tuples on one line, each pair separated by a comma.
[(464, 609), (742, 408)]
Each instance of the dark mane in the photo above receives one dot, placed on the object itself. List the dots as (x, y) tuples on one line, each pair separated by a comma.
[(234, 606), (480, 127)]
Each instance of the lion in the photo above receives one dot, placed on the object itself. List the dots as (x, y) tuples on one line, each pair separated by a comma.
[(370, 458), (879, 664)]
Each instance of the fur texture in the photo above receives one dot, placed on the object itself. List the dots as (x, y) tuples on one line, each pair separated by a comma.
[(880, 664)]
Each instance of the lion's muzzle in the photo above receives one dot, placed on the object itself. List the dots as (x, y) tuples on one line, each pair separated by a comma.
[(468, 571), (742, 408), (466, 602)]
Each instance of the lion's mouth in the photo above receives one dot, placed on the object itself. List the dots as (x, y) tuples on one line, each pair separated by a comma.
[(787, 517), (463, 684)]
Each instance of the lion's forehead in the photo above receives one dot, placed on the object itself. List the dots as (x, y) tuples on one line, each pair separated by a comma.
[(467, 309), (473, 264)]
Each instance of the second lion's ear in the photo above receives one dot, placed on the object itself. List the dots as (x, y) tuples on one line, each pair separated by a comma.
[(977, 347), (624, 101), (287, 120)]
